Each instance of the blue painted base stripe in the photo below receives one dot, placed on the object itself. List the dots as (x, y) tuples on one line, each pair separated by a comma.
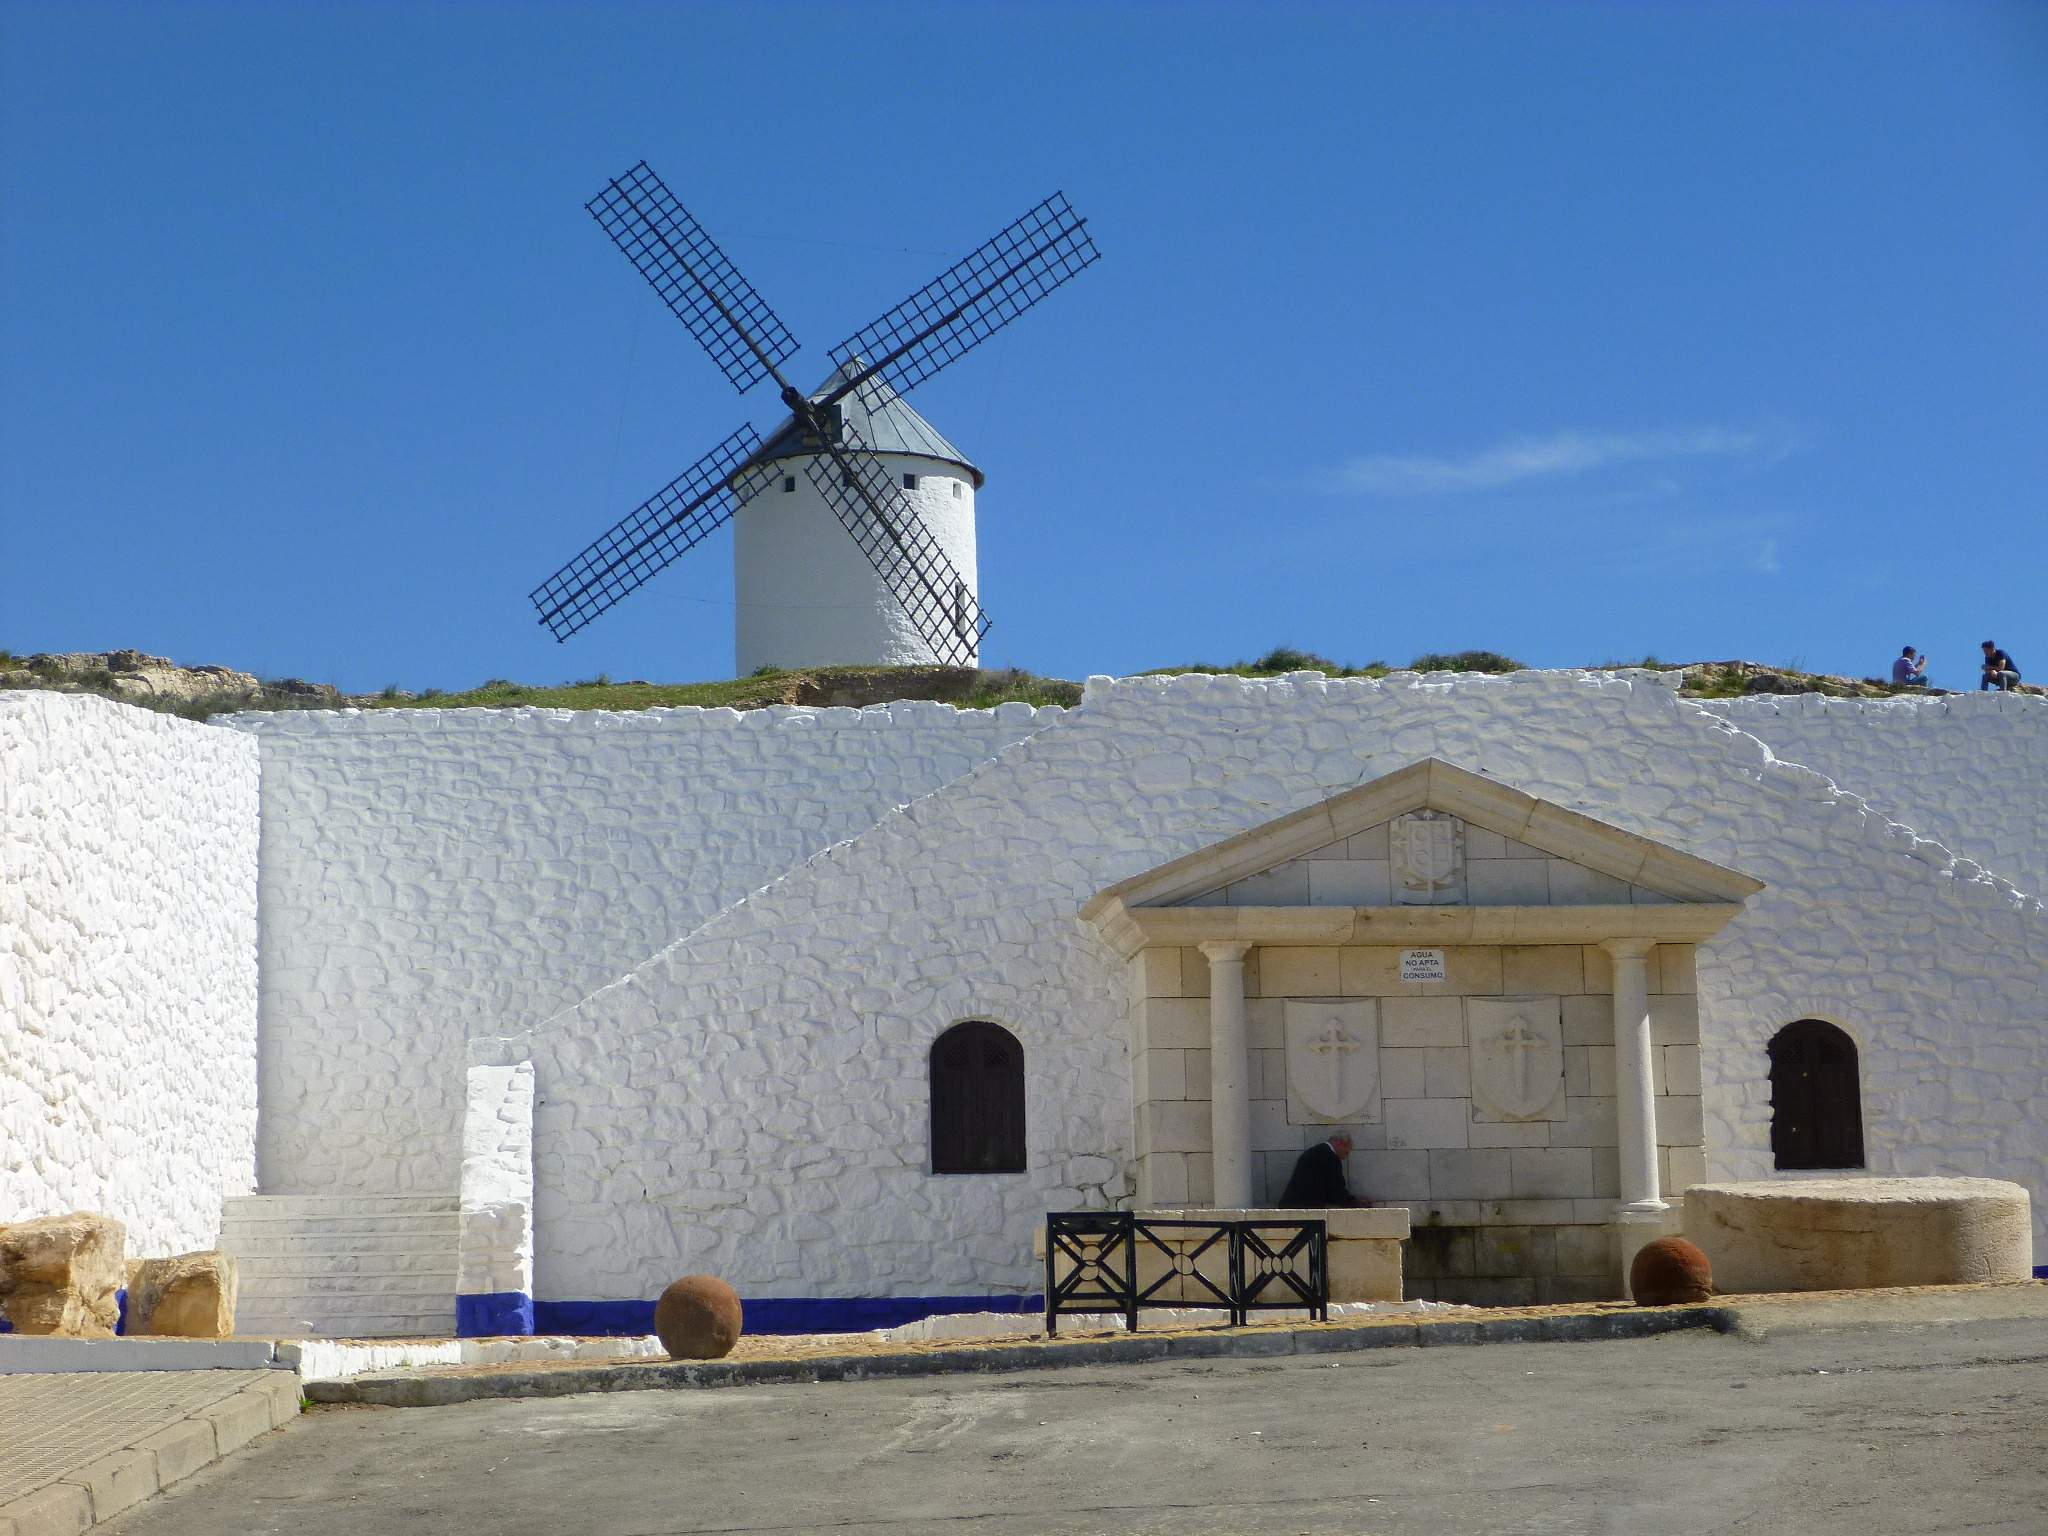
[(2041, 1271), (593, 1317), (777, 1314), (493, 1315)]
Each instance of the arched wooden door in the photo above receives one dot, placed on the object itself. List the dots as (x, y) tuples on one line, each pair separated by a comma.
[(1816, 1097), (977, 1088)]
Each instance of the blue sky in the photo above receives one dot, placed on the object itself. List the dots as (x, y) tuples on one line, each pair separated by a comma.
[(1576, 332)]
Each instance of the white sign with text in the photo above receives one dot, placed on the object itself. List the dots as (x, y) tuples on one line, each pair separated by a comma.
[(1422, 965)]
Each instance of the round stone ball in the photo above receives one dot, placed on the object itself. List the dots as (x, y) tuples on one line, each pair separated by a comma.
[(1669, 1271), (698, 1318)]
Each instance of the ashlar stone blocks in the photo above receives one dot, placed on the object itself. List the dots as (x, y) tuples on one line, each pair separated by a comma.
[(1472, 1133)]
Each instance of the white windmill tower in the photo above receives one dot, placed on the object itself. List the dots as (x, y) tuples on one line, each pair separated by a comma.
[(857, 540), (806, 593)]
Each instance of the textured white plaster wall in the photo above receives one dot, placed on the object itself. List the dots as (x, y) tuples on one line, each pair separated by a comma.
[(1970, 771), (429, 876), (752, 1101), (497, 1181), (806, 595), (127, 967)]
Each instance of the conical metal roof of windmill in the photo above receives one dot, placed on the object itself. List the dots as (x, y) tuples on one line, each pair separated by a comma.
[(879, 417), (841, 432)]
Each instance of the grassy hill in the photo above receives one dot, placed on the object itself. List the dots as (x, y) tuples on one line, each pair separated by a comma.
[(198, 693)]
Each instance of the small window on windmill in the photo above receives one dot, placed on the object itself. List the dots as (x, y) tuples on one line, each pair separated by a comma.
[(910, 482), (788, 484), (956, 490)]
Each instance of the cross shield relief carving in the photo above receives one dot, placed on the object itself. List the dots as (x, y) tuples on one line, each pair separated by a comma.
[(1517, 1046), (1333, 1062), (1427, 849)]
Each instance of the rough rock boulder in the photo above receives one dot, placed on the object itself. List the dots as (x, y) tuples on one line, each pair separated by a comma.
[(191, 1296), (63, 1274)]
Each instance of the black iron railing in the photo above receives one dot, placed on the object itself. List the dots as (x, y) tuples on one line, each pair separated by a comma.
[(1119, 1261)]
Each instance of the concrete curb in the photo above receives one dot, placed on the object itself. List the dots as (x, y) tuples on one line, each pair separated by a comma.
[(1759, 1321), (123, 1478), (45, 1353), (418, 1389)]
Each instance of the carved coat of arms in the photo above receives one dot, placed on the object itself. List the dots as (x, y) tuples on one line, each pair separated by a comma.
[(1517, 1046), (1333, 1062), (1427, 850)]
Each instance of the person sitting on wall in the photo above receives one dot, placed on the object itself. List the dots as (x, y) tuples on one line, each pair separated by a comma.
[(2000, 672), (1318, 1178), (1910, 670)]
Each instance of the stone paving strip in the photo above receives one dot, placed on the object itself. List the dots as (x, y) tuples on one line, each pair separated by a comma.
[(76, 1448), (767, 1359)]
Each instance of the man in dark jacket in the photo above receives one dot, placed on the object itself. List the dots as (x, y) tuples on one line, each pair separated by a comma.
[(2000, 671), (1318, 1178)]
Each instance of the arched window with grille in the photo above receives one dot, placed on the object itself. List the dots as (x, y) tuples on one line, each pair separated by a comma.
[(1816, 1099), (977, 1083)]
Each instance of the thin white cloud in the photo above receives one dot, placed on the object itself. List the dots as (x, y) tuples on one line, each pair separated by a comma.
[(1739, 542), (1519, 460)]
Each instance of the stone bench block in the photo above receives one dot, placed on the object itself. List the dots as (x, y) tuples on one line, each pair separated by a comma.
[(189, 1296), (60, 1274), (1855, 1234)]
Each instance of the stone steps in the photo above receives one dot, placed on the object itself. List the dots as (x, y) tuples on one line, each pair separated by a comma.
[(350, 1236), (344, 1266), (349, 1326), (425, 1222), (270, 1207), (263, 1289), (305, 1263)]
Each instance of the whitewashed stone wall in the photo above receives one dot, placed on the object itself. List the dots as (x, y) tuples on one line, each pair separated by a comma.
[(433, 875), (127, 967), (1970, 771), (496, 1256), (752, 1101)]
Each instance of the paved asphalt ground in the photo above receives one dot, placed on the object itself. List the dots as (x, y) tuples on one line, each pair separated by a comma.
[(1869, 1432)]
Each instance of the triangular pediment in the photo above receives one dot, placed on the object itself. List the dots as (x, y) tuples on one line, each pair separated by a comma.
[(1494, 845)]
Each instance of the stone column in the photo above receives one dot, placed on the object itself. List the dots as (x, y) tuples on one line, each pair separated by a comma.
[(1230, 1099), (1635, 1085)]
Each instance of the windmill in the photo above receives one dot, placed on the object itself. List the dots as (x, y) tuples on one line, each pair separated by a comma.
[(884, 530)]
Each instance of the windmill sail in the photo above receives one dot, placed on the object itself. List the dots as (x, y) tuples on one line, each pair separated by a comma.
[(957, 310), (864, 496), (680, 514), (973, 299), (685, 266)]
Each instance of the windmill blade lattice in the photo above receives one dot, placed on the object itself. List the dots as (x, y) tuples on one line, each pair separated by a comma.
[(971, 300), (682, 513), (962, 307), (684, 265), (864, 496)]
